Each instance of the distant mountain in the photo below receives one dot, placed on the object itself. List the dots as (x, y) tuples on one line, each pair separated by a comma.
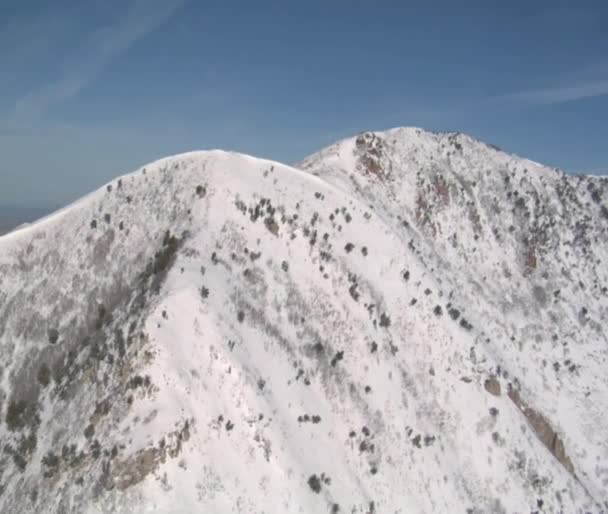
[(404, 322), (12, 217)]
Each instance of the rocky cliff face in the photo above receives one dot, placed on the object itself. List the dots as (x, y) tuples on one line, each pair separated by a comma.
[(404, 322)]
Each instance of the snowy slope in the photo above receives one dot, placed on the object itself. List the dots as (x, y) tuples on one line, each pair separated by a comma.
[(386, 328)]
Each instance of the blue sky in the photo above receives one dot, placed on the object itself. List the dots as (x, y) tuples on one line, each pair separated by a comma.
[(90, 89)]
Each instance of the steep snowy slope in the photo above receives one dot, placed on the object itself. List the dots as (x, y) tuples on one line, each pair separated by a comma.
[(218, 333)]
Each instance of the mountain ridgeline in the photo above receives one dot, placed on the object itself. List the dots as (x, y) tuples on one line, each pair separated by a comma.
[(403, 322)]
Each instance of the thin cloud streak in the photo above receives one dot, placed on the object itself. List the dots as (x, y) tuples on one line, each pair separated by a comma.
[(564, 94), (141, 18)]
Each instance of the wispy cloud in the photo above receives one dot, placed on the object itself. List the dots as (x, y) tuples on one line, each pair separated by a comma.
[(140, 18), (561, 94)]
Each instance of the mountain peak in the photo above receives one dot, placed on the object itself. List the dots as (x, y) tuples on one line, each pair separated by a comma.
[(216, 332)]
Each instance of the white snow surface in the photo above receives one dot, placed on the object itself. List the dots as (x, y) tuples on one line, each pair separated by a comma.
[(398, 324)]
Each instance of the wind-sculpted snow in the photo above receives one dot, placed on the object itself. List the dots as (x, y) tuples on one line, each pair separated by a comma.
[(407, 322)]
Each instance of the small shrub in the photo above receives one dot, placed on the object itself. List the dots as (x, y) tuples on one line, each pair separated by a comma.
[(385, 321), (44, 375), (139, 381), (89, 432), (240, 316), (16, 415), (438, 311), (51, 463), (337, 358), (271, 225), (465, 324), (53, 335), (354, 293), (454, 313), (349, 247), (201, 191), (314, 482)]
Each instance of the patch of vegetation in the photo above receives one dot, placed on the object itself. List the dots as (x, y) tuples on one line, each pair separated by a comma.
[(385, 321), (349, 247), (44, 375), (337, 358), (164, 257), (23, 453), (271, 225), (51, 464), (454, 313), (438, 311), (201, 191), (20, 414), (314, 482), (353, 292), (102, 317), (138, 381), (89, 432), (53, 335), (465, 324)]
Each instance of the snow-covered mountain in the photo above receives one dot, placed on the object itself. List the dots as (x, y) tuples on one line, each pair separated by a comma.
[(404, 322)]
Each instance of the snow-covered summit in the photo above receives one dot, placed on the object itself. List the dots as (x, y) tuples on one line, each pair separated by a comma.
[(404, 322)]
